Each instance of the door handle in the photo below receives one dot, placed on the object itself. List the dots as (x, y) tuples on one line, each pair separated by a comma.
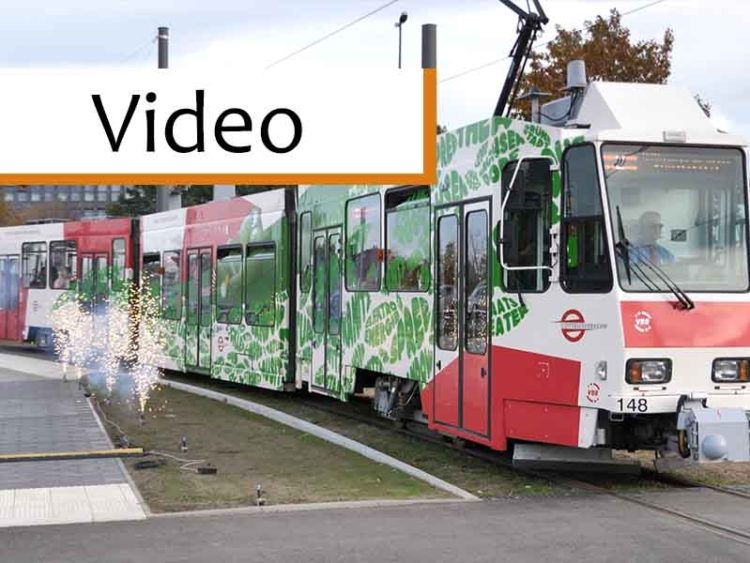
[(483, 372), (439, 365)]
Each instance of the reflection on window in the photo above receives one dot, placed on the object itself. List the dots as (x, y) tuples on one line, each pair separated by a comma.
[(526, 224), (151, 276), (34, 265), (334, 284), (319, 285), (305, 250), (63, 260), (364, 252), (101, 279), (229, 285), (260, 282), (206, 269), (171, 304), (475, 299), (586, 265), (407, 222), (682, 209), (447, 318), (193, 284), (118, 263)]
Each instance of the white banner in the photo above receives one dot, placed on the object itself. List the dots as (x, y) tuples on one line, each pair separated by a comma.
[(122, 121)]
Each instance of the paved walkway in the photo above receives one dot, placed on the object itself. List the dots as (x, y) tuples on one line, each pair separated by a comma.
[(575, 529), (40, 413)]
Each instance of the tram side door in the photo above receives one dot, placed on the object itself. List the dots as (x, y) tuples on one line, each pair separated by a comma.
[(199, 309), (462, 304), (327, 287), (9, 329)]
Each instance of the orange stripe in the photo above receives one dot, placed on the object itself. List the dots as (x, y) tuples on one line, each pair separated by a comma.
[(427, 176)]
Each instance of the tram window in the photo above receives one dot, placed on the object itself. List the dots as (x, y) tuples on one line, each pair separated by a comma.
[(63, 264), (101, 287), (151, 275), (528, 215), (87, 276), (34, 265), (447, 282), (229, 284), (407, 225), (207, 269), (585, 263), (118, 263), (319, 285), (260, 284), (192, 287), (475, 285), (305, 251), (334, 284), (171, 287), (364, 252)]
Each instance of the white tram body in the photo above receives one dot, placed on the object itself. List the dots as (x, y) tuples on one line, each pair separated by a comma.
[(623, 315)]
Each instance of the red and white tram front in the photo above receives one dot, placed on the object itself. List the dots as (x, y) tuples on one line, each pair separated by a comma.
[(677, 220)]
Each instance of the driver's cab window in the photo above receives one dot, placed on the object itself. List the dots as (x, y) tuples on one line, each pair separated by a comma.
[(526, 224), (585, 263)]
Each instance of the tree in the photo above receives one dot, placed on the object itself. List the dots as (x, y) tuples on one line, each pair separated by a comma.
[(138, 200), (8, 215), (609, 53)]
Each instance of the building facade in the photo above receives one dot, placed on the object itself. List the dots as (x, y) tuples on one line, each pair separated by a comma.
[(65, 203)]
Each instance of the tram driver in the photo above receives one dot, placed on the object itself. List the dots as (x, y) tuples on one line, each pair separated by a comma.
[(646, 247)]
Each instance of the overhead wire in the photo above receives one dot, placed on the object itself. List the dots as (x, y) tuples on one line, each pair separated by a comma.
[(145, 46), (497, 61), (332, 33)]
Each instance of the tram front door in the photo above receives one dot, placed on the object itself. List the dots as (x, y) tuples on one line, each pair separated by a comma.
[(462, 304)]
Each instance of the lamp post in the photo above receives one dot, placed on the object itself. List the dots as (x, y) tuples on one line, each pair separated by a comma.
[(401, 20)]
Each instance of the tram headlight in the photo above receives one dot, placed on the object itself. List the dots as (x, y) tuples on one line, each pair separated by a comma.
[(648, 371), (730, 370)]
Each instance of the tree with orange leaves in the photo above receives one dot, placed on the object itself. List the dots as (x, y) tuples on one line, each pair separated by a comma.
[(609, 52)]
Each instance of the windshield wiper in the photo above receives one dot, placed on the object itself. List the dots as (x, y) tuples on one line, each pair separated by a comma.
[(622, 245), (623, 248), (682, 297)]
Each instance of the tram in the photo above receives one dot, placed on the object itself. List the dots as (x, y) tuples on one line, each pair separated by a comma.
[(580, 284)]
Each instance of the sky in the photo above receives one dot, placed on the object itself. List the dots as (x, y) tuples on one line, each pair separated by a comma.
[(247, 35)]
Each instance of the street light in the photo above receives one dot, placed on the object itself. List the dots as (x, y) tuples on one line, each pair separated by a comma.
[(401, 20)]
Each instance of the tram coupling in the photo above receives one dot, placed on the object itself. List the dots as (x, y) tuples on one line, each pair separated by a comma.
[(711, 434)]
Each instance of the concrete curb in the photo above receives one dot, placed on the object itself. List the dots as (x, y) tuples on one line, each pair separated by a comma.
[(324, 434), (139, 497), (281, 508)]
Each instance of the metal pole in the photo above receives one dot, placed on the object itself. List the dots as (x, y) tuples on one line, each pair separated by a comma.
[(399, 45), (429, 45), (167, 198), (163, 36)]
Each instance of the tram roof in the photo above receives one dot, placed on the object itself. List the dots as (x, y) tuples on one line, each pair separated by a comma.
[(650, 113)]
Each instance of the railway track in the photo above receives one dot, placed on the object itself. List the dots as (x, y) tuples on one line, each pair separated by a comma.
[(419, 432)]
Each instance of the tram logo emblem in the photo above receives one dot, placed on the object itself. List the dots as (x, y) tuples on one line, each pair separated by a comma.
[(592, 393), (574, 327), (642, 322)]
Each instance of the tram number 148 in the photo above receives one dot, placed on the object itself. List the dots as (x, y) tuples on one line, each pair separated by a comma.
[(633, 405)]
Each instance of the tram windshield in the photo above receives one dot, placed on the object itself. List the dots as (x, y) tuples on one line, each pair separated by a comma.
[(683, 211)]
